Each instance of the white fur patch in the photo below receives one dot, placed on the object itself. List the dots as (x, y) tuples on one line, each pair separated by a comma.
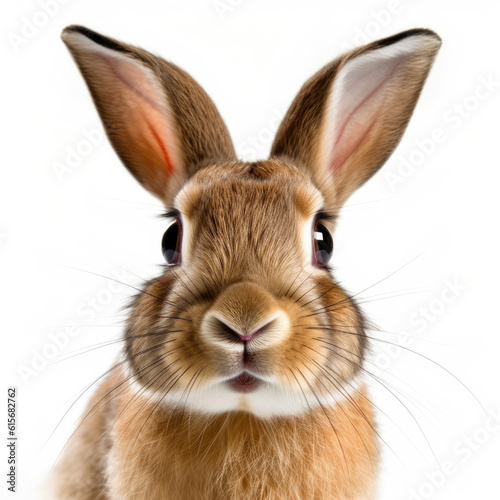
[(270, 400)]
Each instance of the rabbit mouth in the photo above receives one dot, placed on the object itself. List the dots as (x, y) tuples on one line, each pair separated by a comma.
[(244, 382)]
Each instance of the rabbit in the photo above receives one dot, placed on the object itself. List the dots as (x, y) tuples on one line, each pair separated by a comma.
[(242, 368)]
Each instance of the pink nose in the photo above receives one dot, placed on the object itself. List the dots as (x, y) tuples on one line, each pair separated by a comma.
[(230, 332), (244, 314)]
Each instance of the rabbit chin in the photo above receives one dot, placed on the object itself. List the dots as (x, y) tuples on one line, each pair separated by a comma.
[(268, 400)]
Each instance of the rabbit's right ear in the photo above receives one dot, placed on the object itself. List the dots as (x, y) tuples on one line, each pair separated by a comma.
[(348, 118), (159, 120)]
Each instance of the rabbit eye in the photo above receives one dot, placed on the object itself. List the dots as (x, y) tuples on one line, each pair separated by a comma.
[(171, 243), (322, 245)]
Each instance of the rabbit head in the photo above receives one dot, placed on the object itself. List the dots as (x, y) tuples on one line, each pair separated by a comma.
[(246, 315)]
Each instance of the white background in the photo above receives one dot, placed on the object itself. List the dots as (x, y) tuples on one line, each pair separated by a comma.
[(252, 57)]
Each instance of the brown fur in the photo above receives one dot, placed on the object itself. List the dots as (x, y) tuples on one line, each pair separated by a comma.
[(237, 456), (246, 256)]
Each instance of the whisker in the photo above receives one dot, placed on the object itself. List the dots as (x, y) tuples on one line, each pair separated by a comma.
[(358, 392), (430, 360), (88, 412), (331, 425), (365, 300), (152, 280), (408, 396), (87, 349), (107, 372), (148, 399), (125, 284), (363, 415), (377, 379)]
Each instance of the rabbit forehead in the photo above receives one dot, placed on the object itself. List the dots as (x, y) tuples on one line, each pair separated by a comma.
[(268, 187), (238, 215)]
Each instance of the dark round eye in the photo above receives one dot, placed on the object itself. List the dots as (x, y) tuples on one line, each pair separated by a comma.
[(322, 245), (171, 243)]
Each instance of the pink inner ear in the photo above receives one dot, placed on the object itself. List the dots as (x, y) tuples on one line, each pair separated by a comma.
[(356, 101), (145, 112), (354, 130)]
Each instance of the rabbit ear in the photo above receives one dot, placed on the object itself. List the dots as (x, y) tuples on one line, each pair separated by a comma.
[(348, 118), (159, 120)]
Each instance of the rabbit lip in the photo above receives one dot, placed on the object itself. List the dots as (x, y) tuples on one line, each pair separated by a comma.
[(244, 382)]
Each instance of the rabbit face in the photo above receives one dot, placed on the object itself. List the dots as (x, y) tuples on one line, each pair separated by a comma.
[(249, 320)]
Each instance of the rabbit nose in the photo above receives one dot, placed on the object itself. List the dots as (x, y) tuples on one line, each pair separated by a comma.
[(245, 314), (233, 333)]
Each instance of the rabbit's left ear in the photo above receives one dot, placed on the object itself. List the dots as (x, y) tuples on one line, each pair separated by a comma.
[(348, 118)]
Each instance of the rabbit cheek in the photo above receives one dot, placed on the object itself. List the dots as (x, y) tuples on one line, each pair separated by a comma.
[(344, 336), (158, 344), (327, 346)]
